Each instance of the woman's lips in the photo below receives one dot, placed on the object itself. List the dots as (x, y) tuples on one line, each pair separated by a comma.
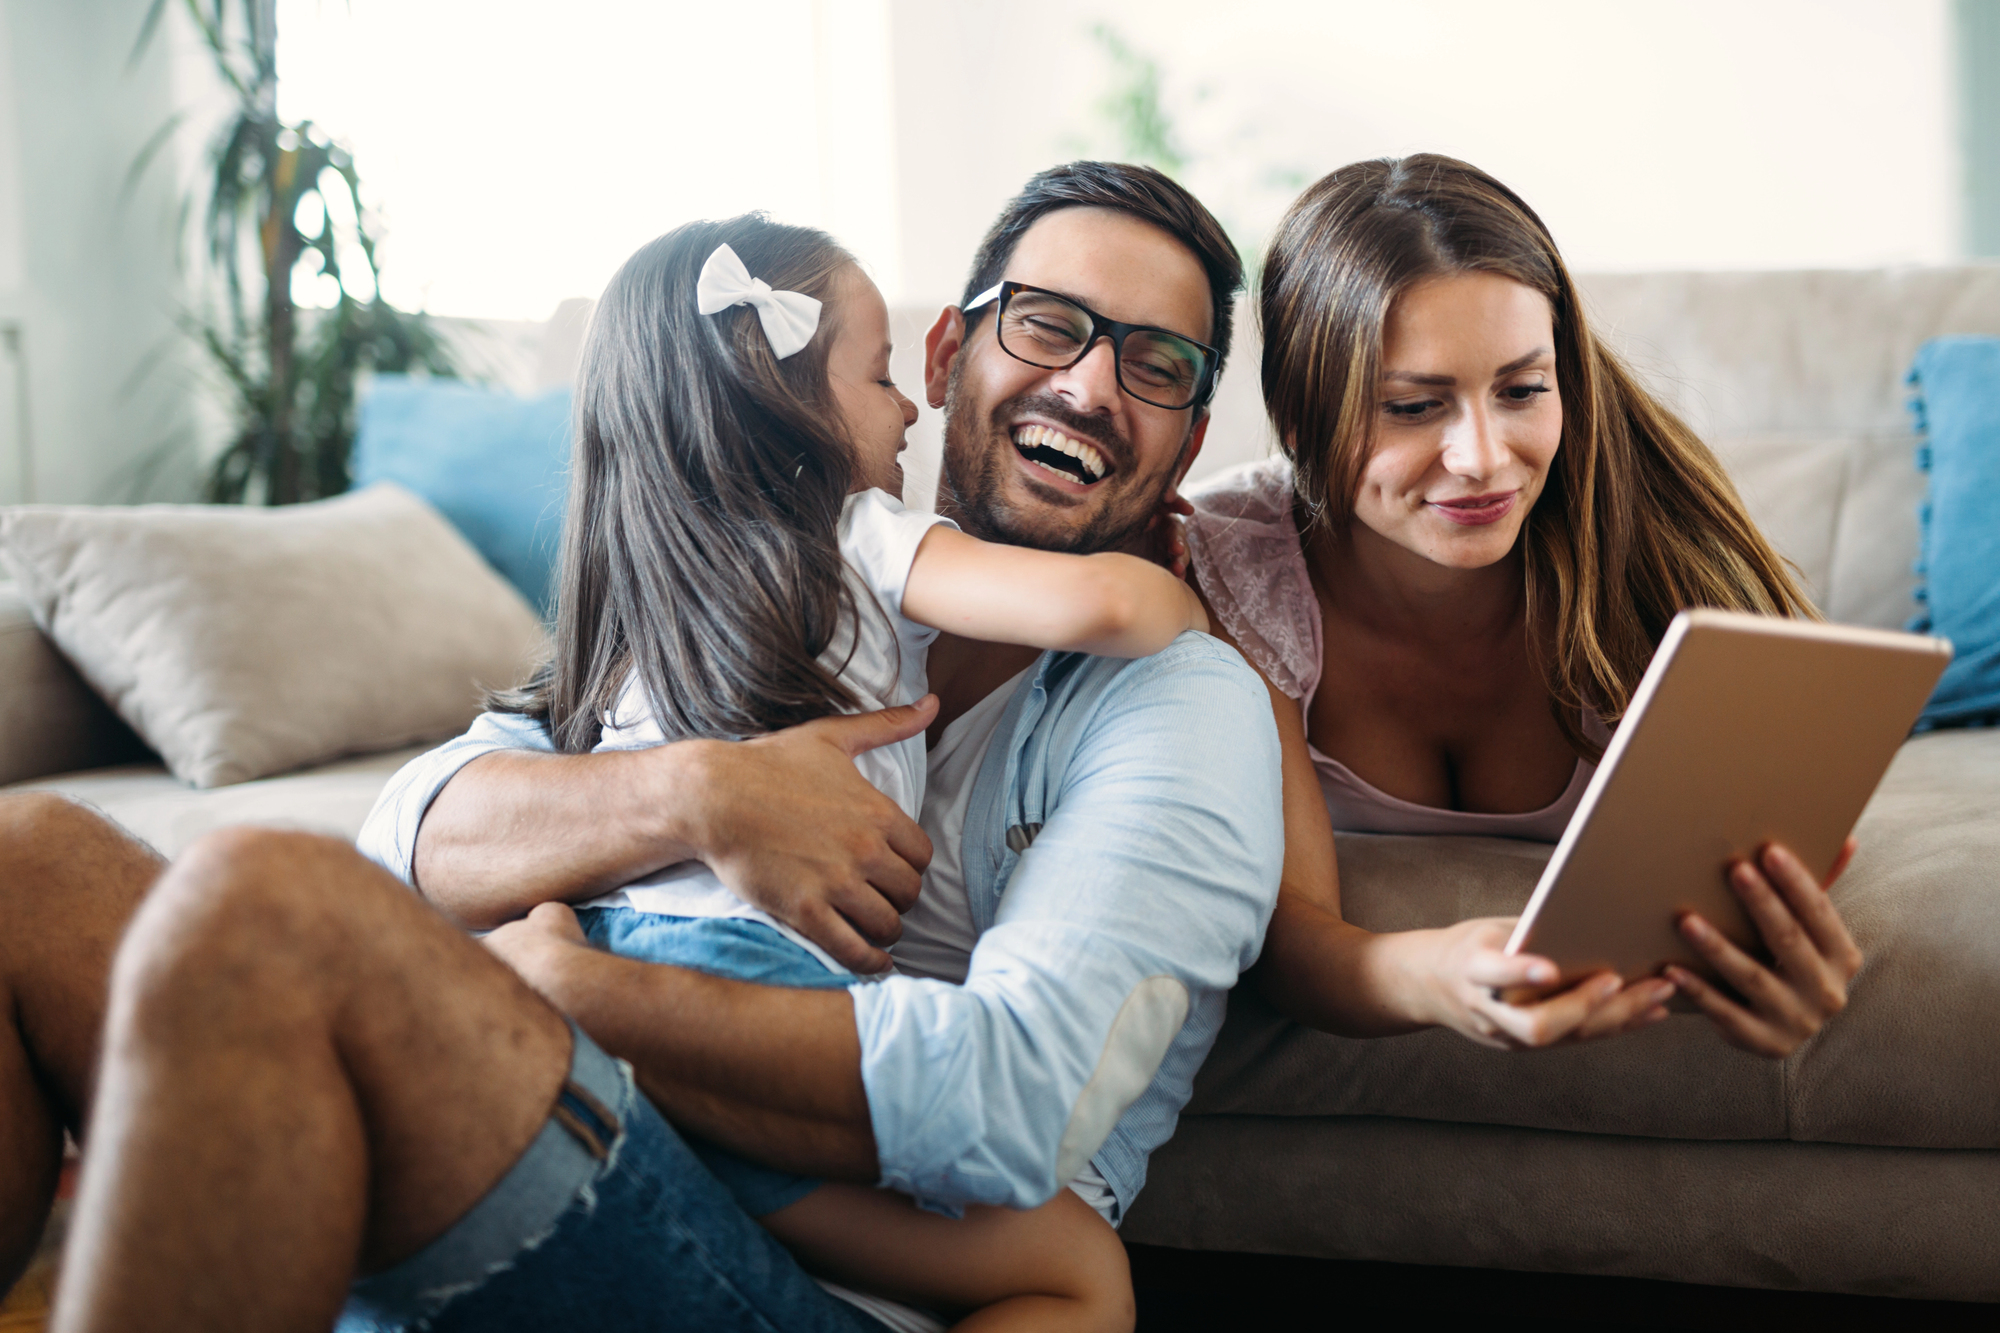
[(1476, 510)]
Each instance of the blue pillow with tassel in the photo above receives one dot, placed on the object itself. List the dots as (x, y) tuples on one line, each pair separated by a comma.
[(1955, 387), (492, 462)]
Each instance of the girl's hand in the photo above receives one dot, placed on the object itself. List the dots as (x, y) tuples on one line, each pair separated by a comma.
[(1466, 969), (1813, 957), (1167, 536)]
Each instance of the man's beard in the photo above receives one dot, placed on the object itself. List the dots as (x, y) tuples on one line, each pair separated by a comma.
[(978, 458)]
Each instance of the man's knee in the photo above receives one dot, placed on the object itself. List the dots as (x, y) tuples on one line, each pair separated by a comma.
[(41, 826), (250, 911), (25, 815), (63, 864)]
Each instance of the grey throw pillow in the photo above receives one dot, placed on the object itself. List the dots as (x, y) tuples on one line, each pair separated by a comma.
[(242, 642)]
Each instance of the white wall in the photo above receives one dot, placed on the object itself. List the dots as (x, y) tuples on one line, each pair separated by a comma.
[(520, 152), (1698, 134), (88, 285)]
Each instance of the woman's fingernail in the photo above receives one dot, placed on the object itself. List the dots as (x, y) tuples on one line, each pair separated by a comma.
[(1542, 973), (1655, 1015)]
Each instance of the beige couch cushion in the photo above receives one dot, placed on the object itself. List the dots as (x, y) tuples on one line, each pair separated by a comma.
[(242, 642), (147, 800), (1908, 1064)]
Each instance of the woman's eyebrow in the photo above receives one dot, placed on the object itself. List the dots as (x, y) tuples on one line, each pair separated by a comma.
[(1521, 362), (1418, 377)]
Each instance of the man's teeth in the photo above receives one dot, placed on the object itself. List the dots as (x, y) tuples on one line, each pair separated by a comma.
[(1030, 437)]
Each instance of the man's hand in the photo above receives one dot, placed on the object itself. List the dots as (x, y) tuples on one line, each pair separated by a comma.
[(789, 824), (531, 945), (785, 820)]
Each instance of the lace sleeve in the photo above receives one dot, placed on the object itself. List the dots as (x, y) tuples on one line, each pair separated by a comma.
[(1245, 550)]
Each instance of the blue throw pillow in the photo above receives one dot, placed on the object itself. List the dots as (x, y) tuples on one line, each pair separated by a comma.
[(1957, 406), (494, 463)]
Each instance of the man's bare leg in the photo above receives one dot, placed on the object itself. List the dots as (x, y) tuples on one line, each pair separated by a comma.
[(69, 881), (307, 1072)]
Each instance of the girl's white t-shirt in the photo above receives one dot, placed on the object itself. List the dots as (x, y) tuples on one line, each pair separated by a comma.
[(885, 667)]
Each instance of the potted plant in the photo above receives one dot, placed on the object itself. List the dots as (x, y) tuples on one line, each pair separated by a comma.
[(282, 212)]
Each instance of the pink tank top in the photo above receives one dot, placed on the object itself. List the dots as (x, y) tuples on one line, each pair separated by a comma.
[(1245, 546)]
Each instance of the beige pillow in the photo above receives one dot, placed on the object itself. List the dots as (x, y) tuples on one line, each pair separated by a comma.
[(241, 642)]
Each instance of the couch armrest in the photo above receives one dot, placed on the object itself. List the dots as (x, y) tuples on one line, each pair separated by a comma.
[(50, 721)]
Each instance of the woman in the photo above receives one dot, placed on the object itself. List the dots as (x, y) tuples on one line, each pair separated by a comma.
[(1452, 582)]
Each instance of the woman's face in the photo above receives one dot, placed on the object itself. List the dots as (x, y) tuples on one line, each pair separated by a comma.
[(1467, 419), (874, 410)]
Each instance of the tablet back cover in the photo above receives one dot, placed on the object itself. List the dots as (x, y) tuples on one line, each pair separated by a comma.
[(1745, 730)]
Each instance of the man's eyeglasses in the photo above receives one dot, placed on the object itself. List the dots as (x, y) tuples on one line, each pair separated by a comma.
[(1042, 328)]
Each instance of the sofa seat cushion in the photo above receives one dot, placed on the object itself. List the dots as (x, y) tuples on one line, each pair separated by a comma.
[(146, 799), (1908, 1064)]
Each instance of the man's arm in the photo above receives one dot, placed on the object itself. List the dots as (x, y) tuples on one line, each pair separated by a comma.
[(1151, 879), (494, 823), (772, 1074)]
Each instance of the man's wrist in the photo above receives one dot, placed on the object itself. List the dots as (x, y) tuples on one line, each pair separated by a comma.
[(677, 805)]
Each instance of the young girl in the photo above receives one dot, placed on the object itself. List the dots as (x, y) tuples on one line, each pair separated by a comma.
[(734, 563)]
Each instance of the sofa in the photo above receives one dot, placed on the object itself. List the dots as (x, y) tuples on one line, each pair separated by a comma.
[(1868, 1162)]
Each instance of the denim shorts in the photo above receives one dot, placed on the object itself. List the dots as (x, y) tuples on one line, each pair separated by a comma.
[(723, 947), (608, 1221)]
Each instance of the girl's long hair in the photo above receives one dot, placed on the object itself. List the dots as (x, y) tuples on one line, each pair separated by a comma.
[(706, 484), (1639, 519)]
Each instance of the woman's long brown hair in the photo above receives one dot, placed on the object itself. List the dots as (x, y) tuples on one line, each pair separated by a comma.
[(1638, 521)]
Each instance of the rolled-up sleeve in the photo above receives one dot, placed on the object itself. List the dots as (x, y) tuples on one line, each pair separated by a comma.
[(389, 837), (1156, 867)]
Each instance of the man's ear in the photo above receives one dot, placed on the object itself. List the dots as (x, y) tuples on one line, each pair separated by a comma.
[(941, 347)]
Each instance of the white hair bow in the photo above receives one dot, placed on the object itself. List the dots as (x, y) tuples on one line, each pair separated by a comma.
[(789, 318)]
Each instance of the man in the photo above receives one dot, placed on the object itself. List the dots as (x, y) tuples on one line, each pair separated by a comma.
[(307, 1073)]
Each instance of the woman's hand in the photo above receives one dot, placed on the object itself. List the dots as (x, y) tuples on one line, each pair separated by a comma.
[(1464, 969), (1813, 956)]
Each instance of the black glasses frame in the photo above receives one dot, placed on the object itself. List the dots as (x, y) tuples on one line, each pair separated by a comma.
[(1100, 327)]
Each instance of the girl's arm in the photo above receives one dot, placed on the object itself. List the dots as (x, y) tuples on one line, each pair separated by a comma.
[(1111, 605)]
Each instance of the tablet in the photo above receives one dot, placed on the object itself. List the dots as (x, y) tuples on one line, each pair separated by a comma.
[(1745, 730)]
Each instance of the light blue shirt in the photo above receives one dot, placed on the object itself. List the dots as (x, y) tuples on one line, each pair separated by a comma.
[(1122, 848)]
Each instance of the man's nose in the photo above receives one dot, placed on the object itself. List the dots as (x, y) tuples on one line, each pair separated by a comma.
[(1091, 385)]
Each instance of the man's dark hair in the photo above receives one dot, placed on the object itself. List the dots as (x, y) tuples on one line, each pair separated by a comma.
[(1141, 192)]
